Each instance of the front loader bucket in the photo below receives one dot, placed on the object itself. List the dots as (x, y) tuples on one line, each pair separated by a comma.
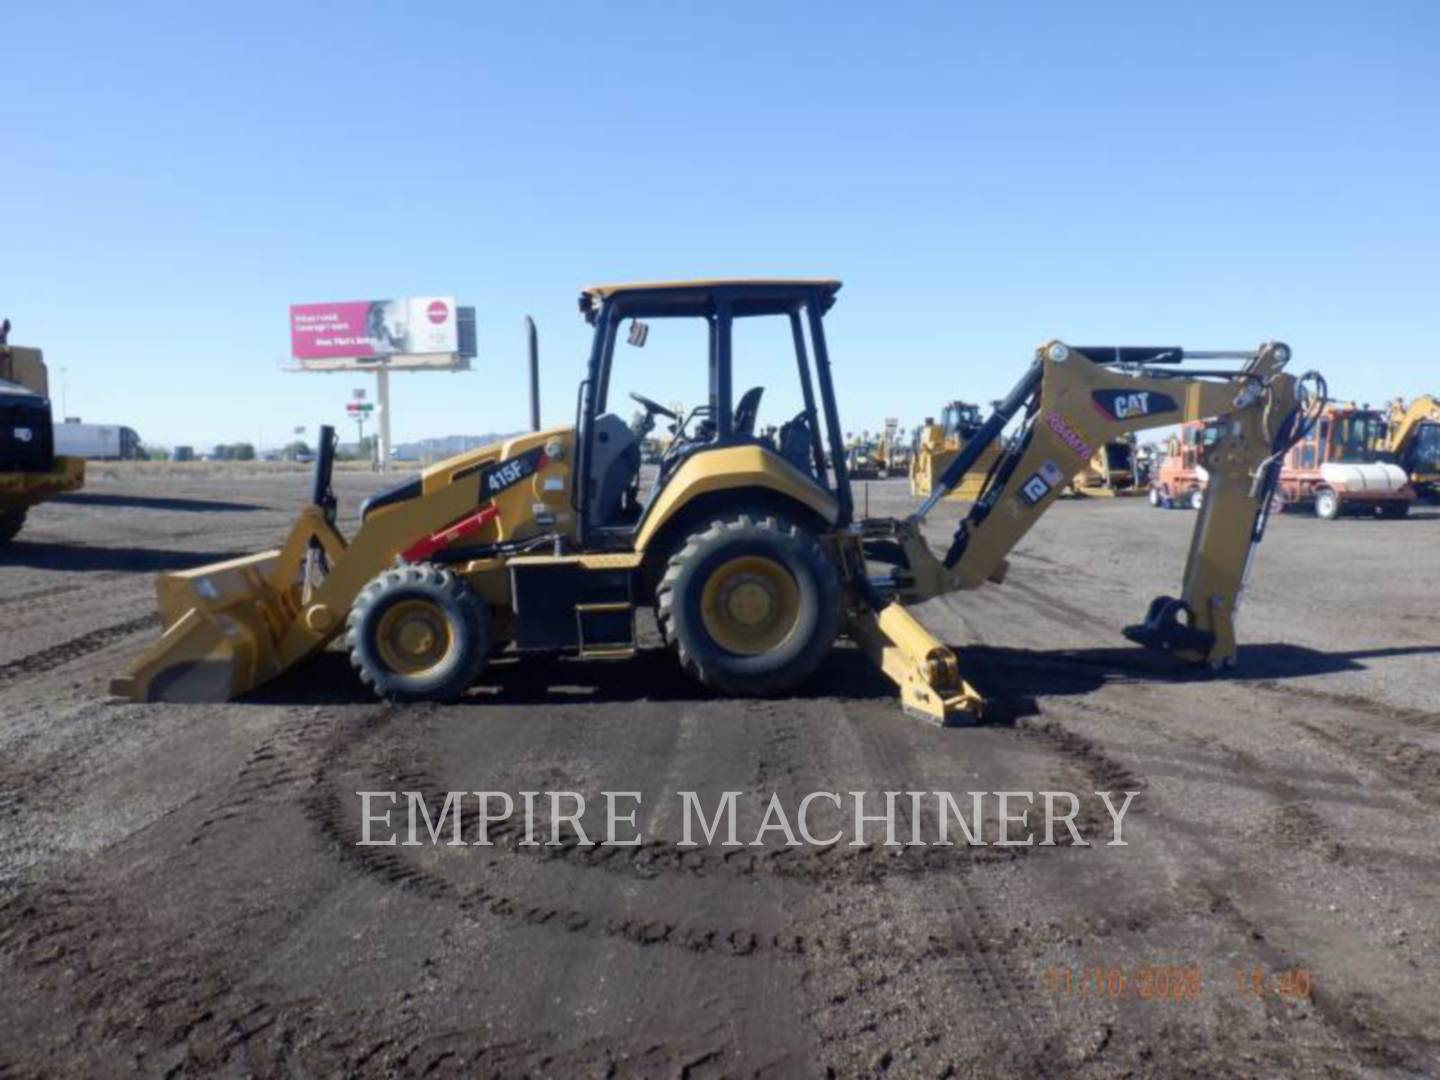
[(223, 624)]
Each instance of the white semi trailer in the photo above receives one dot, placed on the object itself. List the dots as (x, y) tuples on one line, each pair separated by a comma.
[(97, 442)]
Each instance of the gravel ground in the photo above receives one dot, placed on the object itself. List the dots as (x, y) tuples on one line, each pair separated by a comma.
[(181, 891)]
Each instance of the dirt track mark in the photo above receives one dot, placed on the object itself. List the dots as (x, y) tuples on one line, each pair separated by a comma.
[(337, 821), (1417, 718), (57, 655), (42, 594), (283, 762), (967, 935), (1403, 762)]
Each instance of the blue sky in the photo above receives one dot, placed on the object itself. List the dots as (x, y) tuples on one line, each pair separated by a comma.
[(983, 177)]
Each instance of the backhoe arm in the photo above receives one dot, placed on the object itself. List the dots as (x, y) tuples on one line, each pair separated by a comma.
[(1075, 400)]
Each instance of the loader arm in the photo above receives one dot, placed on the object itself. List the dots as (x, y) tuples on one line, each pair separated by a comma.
[(1074, 400)]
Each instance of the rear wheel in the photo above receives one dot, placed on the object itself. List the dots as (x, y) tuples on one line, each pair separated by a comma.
[(1393, 510), (1157, 500), (751, 606), (1327, 505), (11, 522), (417, 633)]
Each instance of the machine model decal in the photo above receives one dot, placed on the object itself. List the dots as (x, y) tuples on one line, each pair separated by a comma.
[(499, 476), (1041, 483), (24, 434), (1123, 404), (1068, 436), (506, 474)]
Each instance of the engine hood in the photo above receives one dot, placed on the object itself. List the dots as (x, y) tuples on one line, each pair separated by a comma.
[(1374, 476)]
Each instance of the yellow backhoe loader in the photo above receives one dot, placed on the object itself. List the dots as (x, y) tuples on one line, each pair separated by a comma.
[(747, 548), (940, 444), (30, 472), (1414, 439)]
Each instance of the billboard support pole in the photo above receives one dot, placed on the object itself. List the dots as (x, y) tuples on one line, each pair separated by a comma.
[(382, 392)]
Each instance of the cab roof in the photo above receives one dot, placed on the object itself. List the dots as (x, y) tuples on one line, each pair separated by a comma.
[(749, 296)]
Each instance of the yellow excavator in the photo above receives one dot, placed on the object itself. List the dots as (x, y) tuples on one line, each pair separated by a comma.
[(747, 547), (30, 472), (1414, 439), (940, 444)]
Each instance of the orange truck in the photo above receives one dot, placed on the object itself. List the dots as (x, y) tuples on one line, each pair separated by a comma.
[(1180, 479), (1344, 466)]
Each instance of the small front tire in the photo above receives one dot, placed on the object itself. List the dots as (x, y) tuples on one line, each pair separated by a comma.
[(1197, 498), (1327, 505), (418, 633)]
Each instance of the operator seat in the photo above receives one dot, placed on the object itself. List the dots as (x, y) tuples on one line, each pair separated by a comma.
[(746, 410), (614, 467)]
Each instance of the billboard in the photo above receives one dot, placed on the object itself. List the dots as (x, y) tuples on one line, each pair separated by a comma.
[(420, 329)]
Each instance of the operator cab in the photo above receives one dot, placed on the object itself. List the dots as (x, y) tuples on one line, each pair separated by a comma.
[(623, 466)]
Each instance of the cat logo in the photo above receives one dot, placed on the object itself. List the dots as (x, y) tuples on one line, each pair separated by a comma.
[(1125, 405)]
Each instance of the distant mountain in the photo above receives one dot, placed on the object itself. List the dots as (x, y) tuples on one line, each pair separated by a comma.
[(445, 446)]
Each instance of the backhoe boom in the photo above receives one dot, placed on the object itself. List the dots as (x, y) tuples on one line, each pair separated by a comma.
[(1075, 400)]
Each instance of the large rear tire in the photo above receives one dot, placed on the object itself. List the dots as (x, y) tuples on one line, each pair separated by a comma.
[(1157, 500), (751, 606), (418, 633), (11, 522)]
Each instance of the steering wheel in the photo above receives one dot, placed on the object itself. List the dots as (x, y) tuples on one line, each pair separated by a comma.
[(652, 407)]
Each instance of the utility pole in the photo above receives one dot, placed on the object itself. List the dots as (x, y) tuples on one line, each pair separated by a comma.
[(359, 410)]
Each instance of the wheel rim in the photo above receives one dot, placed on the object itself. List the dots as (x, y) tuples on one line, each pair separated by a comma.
[(750, 604), (413, 637)]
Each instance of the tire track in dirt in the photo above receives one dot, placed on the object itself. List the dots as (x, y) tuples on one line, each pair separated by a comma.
[(1419, 719), (1292, 823), (76, 648), (337, 822), (970, 938), (1406, 764)]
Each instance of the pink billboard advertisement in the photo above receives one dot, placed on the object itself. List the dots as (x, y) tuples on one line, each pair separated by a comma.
[(373, 328)]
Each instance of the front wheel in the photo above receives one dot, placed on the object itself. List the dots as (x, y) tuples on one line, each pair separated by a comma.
[(1156, 499), (1197, 498), (11, 522), (750, 605), (418, 633), (1327, 505)]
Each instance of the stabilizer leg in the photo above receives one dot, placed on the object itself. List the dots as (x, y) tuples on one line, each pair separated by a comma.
[(924, 669)]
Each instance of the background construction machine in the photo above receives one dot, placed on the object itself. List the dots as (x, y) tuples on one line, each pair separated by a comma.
[(893, 452), (1344, 465), (748, 549), (1111, 471), (30, 472), (1413, 438), (940, 444), (1179, 477)]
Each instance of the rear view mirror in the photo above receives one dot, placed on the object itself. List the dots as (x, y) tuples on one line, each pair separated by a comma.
[(639, 331)]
